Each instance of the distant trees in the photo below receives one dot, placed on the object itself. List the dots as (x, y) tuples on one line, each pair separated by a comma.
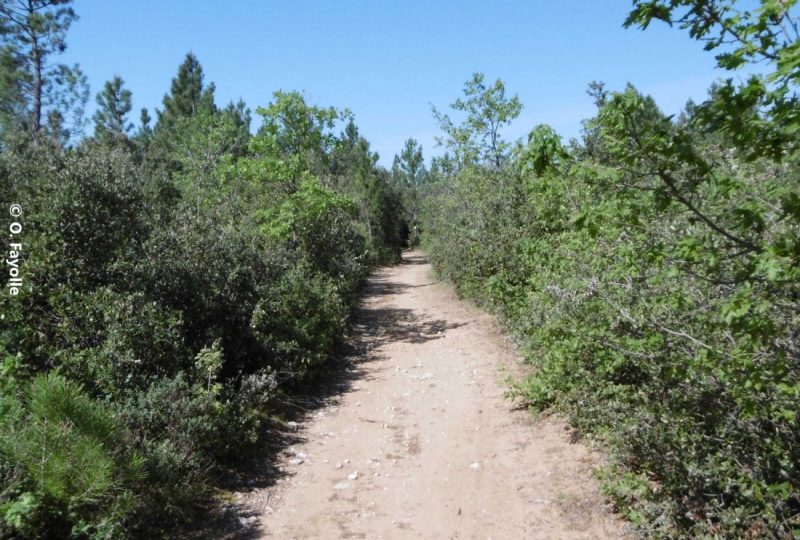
[(192, 134), (300, 130), (410, 176), (354, 170), (145, 131), (408, 167), (188, 94), (113, 105), (477, 138), (297, 139), (38, 93)]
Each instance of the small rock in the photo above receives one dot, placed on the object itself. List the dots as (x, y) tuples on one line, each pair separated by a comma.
[(353, 475), (292, 425), (426, 376), (475, 466), (245, 521), (296, 461), (339, 465), (342, 485)]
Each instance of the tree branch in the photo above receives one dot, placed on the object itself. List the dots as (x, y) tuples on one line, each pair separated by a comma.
[(670, 183)]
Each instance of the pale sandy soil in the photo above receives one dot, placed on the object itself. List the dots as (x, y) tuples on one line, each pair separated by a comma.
[(422, 444)]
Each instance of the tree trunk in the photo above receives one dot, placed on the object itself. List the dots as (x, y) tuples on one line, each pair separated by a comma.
[(37, 78)]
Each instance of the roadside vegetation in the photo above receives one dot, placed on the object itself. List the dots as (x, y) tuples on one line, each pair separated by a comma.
[(650, 272), (179, 277), (184, 274)]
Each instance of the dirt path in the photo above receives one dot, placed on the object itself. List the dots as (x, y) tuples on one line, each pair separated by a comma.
[(422, 444)]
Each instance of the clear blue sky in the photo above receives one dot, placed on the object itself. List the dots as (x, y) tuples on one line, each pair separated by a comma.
[(388, 61)]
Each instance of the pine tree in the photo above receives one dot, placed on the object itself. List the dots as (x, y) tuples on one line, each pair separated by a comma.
[(114, 104), (31, 33), (187, 95), (144, 135), (410, 176), (12, 102)]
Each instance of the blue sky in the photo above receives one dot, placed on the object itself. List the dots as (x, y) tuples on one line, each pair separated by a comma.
[(388, 61)]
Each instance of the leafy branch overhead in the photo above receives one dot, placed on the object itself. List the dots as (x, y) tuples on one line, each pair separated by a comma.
[(767, 35)]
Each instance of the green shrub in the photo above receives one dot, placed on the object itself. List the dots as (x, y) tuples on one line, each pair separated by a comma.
[(175, 283), (652, 280), (179, 430), (300, 318)]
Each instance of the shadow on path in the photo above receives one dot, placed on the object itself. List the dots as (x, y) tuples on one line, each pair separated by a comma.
[(411, 257), (370, 327), (377, 326)]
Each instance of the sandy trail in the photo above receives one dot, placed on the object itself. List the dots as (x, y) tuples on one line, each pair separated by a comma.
[(422, 444)]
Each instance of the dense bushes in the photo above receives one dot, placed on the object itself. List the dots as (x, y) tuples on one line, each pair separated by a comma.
[(678, 349), (174, 283), (651, 274)]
